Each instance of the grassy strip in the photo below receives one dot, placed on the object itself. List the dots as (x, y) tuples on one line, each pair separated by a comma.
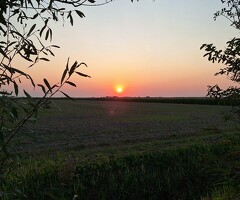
[(183, 173)]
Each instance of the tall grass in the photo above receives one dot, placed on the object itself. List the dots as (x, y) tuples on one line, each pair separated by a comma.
[(185, 173)]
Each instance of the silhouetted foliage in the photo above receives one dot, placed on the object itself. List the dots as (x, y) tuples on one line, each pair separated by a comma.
[(24, 29), (230, 57)]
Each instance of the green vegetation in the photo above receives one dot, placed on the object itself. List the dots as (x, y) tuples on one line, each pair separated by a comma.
[(126, 162), (192, 172)]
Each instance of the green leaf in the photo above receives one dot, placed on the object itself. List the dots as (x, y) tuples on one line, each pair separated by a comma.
[(84, 75), (31, 29), (47, 84), (71, 83)]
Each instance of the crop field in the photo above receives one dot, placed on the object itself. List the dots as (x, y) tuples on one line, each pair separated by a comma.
[(94, 149), (83, 124)]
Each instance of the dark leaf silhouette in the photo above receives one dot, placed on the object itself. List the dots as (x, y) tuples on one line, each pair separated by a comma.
[(45, 59), (66, 95), (65, 72), (15, 88), (43, 88), (72, 69), (47, 84), (80, 14), (27, 95), (81, 74), (82, 63), (71, 83), (31, 29)]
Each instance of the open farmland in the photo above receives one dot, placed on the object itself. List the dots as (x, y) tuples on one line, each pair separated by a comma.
[(127, 150), (82, 124)]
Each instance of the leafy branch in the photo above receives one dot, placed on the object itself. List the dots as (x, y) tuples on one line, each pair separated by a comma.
[(49, 91), (230, 58)]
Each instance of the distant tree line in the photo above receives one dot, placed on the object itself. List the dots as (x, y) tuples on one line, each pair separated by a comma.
[(177, 100)]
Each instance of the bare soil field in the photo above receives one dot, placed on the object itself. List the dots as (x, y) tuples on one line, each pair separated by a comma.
[(82, 123)]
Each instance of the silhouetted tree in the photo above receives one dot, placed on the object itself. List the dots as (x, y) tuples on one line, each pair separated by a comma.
[(230, 57)]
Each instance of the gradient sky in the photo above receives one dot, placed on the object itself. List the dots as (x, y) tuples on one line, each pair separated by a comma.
[(152, 48)]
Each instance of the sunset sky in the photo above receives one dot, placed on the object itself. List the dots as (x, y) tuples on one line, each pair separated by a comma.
[(150, 48)]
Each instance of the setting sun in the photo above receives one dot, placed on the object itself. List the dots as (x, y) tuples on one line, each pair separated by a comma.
[(119, 89)]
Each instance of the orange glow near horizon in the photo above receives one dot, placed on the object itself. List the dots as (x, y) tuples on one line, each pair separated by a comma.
[(157, 56)]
